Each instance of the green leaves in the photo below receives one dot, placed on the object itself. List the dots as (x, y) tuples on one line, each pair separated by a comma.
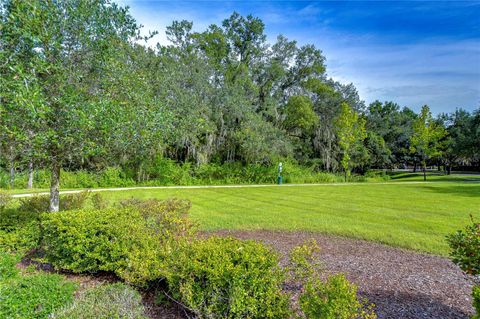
[(465, 248), (350, 130)]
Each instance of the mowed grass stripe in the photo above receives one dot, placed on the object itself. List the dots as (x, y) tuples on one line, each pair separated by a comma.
[(415, 216)]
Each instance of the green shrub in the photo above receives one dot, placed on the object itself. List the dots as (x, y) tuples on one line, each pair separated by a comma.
[(104, 302), (465, 252), (228, 278), (12, 218), (168, 217), (465, 248), (128, 241), (98, 201), (35, 204), (19, 230), (21, 239), (34, 296), (74, 201), (95, 240), (476, 301), (5, 199), (41, 203), (334, 298)]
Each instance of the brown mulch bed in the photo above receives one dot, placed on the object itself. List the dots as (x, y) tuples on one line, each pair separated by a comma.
[(401, 283)]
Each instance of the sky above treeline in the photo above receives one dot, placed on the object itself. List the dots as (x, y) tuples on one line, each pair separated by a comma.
[(409, 52)]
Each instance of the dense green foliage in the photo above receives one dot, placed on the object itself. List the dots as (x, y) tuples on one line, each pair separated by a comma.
[(465, 252), (476, 300), (131, 241), (19, 229), (465, 248), (336, 298), (228, 278), (168, 172), (30, 296), (104, 302), (426, 137), (331, 298)]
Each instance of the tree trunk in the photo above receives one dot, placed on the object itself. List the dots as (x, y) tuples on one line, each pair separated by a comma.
[(30, 175), (449, 169), (12, 174), (424, 172), (55, 188), (415, 166)]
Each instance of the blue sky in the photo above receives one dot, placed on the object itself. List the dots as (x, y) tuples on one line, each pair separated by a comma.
[(410, 52)]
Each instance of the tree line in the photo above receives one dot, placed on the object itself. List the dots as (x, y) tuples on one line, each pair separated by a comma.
[(81, 89)]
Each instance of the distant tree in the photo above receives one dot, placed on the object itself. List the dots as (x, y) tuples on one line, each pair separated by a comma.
[(300, 114), (350, 131), (458, 141), (380, 155), (425, 141)]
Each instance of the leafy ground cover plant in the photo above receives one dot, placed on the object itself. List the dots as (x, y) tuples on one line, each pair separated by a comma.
[(465, 252), (30, 296), (104, 302)]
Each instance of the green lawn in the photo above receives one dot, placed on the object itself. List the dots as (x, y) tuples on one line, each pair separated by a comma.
[(410, 215), (415, 216)]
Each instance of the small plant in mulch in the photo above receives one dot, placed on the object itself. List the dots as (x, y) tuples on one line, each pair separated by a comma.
[(465, 252), (332, 298)]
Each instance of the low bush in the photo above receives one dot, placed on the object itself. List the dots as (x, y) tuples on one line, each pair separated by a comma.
[(30, 296), (228, 278), (35, 204), (74, 201), (98, 201), (133, 242), (476, 301), (20, 239), (19, 230), (465, 252), (5, 199), (333, 298), (104, 302), (168, 217), (41, 203), (465, 248)]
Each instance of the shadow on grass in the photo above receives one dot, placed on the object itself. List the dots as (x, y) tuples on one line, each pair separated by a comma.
[(434, 177), (467, 190), (390, 304)]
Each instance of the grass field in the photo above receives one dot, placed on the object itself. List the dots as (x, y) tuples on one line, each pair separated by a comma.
[(416, 216), (410, 215)]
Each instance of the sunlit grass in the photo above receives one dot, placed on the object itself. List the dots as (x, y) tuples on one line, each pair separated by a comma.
[(416, 216)]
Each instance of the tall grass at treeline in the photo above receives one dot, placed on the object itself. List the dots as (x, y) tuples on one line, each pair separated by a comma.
[(168, 172)]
